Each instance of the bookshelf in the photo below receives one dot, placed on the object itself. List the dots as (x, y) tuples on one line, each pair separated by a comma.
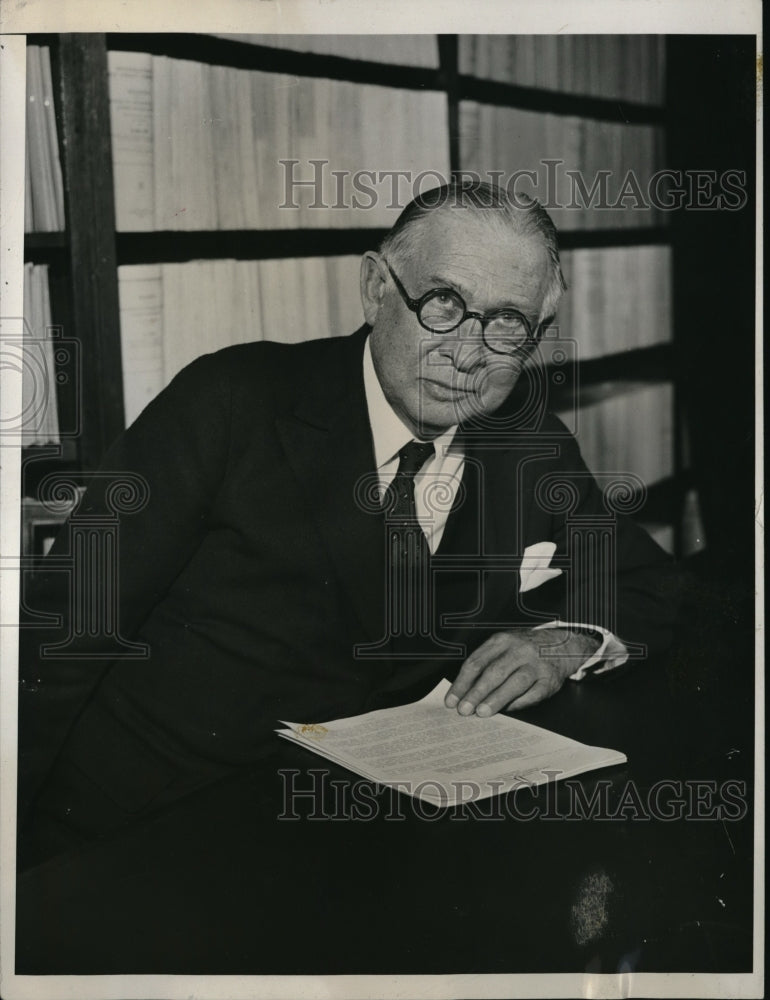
[(81, 264), (122, 268)]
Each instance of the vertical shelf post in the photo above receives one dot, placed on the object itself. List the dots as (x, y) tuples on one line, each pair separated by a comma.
[(448, 61), (90, 215)]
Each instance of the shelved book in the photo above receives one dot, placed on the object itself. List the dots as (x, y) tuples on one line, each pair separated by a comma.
[(37, 362), (44, 190), (200, 147), (170, 314), (432, 753), (589, 174), (628, 428), (617, 299), (615, 67)]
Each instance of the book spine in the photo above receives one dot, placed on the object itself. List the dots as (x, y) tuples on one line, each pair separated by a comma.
[(39, 396), (141, 336), (36, 144), (52, 142), (131, 119)]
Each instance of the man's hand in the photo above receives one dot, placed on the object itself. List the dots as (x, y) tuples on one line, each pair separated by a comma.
[(518, 668)]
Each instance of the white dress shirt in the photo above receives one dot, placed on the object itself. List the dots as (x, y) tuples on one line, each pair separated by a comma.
[(435, 489)]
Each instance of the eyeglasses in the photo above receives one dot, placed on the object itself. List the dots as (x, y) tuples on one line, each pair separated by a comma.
[(442, 310)]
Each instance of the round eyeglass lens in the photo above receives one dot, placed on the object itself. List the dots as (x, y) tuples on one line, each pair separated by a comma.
[(442, 311), (506, 333)]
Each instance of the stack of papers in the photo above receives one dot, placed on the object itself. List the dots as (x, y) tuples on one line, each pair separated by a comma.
[(435, 754)]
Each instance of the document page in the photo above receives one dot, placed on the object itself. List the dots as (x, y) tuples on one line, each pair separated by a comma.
[(435, 754)]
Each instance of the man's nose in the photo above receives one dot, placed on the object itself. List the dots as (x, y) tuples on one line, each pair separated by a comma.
[(466, 347)]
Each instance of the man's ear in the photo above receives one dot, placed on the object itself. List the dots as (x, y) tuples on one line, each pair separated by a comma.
[(373, 280)]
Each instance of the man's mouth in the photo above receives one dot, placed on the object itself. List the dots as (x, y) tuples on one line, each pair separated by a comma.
[(445, 390)]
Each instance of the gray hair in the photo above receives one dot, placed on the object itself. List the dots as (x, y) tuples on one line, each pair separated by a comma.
[(523, 214)]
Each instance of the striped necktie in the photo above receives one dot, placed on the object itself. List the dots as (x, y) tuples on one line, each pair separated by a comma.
[(408, 582)]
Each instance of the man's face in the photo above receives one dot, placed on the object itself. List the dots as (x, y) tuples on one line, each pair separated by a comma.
[(432, 380)]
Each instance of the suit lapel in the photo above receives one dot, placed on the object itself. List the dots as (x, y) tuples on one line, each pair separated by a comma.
[(497, 507), (505, 505), (327, 441)]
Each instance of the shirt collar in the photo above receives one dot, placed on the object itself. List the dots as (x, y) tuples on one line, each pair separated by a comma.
[(389, 433)]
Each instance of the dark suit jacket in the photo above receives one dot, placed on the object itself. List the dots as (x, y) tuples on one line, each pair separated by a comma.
[(253, 571)]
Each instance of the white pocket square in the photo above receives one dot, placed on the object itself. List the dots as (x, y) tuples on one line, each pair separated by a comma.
[(535, 565)]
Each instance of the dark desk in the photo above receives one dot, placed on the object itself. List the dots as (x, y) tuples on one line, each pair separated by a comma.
[(221, 885)]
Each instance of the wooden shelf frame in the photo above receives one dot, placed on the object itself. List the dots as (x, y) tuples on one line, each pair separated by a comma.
[(178, 246), (237, 54)]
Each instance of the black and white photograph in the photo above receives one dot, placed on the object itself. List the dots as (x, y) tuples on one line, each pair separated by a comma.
[(380, 464)]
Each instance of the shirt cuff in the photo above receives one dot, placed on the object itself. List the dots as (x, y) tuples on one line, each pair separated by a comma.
[(612, 650)]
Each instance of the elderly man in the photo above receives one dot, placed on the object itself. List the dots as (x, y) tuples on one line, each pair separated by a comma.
[(332, 527)]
